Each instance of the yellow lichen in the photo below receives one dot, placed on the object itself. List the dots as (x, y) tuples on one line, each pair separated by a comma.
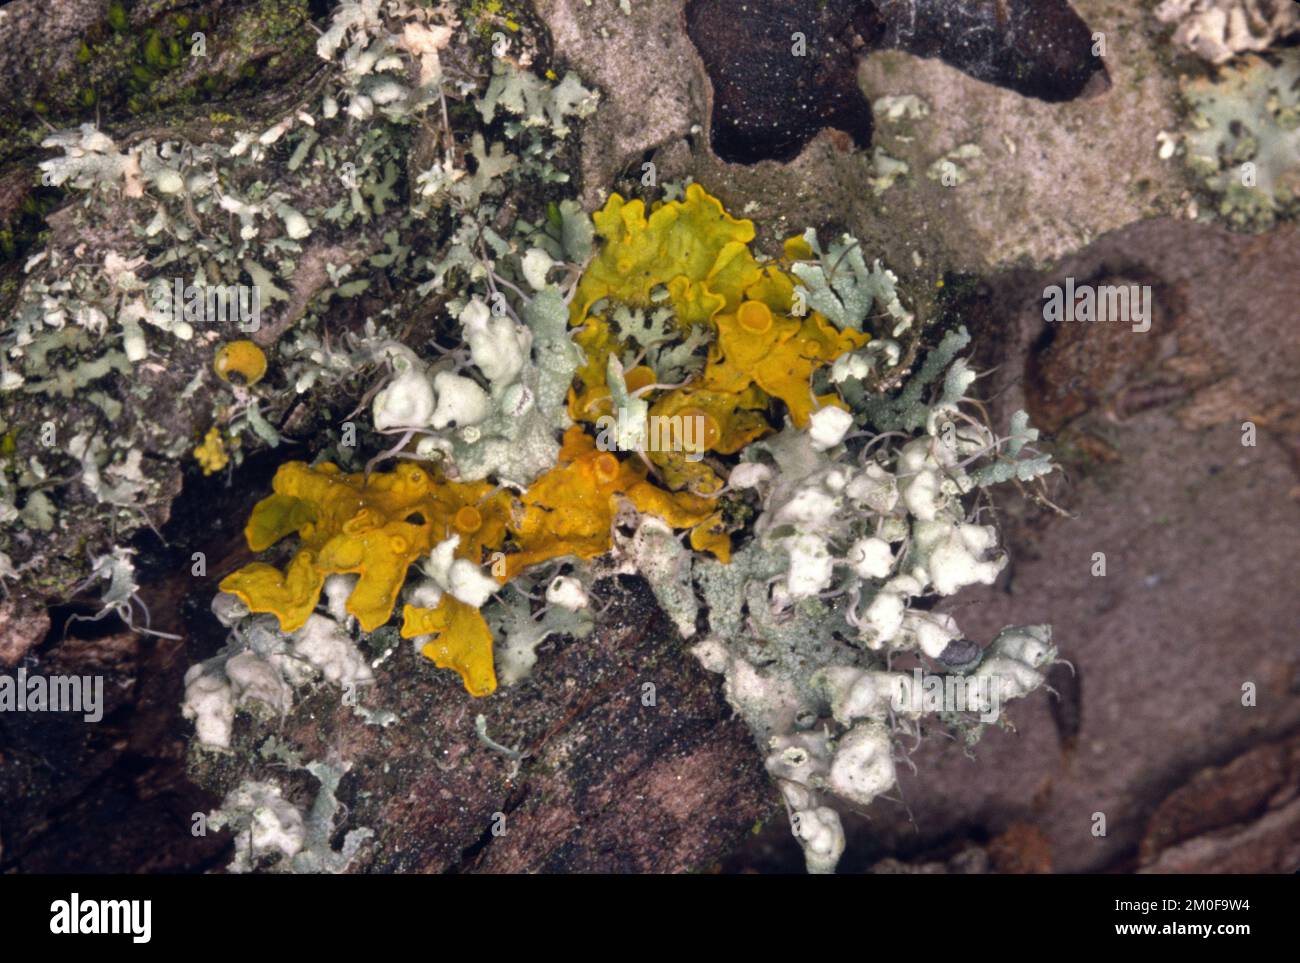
[(292, 594), (717, 421), (240, 362), (211, 454), (378, 528), (699, 255), (461, 641), (570, 509), (690, 254), (693, 247), (779, 354), (374, 529), (588, 399)]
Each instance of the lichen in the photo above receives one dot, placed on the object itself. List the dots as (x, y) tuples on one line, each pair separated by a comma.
[(302, 208), (806, 620), (262, 668), (274, 835), (1244, 141), (375, 528), (211, 454), (517, 359), (241, 362), (1218, 30)]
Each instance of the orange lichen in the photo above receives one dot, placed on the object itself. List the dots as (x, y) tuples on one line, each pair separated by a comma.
[(570, 509), (778, 354), (240, 362), (211, 454), (372, 528), (461, 641), (690, 255)]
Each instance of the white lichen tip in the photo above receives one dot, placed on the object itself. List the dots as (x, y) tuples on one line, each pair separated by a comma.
[(498, 346), (461, 401), (829, 426), (567, 592), (459, 577), (406, 402)]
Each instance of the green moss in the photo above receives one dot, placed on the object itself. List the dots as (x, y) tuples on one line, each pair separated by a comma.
[(131, 60), (484, 17), (117, 18), (955, 292), (1248, 112), (153, 49)]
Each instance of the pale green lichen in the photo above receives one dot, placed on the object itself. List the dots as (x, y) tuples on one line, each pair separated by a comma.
[(534, 101), (273, 835), (842, 287), (509, 429), (519, 631), (848, 546), (1244, 142), (1218, 30), (261, 668), (806, 619), (257, 206)]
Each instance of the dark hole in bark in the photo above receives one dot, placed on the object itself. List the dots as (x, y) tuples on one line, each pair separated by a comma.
[(781, 72)]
